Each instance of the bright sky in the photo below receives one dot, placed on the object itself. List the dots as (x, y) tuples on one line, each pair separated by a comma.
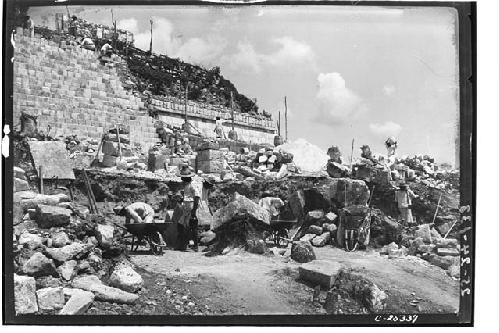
[(348, 72)]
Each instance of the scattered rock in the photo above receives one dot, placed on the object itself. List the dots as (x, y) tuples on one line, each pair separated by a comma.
[(302, 252), (125, 278), (424, 231), (52, 216), (330, 217), (19, 173), (24, 294), (60, 239), (330, 227), (103, 292), (454, 271), (358, 287), (105, 233), (32, 241), (72, 251), (442, 261), (426, 248), (257, 246), (442, 251), (308, 238), (314, 216), (67, 269), (39, 265), (20, 185), (207, 237), (320, 272), (385, 250), (50, 298), (314, 229), (47, 282), (447, 242), (79, 301), (321, 240)]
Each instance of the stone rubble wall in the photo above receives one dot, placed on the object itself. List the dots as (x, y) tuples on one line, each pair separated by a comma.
[(69, 89)]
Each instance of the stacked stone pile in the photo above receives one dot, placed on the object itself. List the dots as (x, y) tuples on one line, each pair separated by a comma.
[(60, 255)]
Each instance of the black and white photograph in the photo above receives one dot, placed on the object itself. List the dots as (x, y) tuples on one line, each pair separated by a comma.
[(239, 164)]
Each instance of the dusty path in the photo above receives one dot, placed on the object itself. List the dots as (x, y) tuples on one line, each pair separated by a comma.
[(251, 283)]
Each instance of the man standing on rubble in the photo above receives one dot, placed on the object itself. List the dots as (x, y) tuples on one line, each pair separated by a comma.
[(403, 197), (185, 211)]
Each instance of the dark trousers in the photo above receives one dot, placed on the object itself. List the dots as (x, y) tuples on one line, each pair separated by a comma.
[(182, 237), (193, 231)]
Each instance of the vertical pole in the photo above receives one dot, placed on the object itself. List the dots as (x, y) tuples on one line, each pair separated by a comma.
[(151, 40), (40, 169), (279, 122), (286, 122), (186, 104), (232, 112), (352, 152)]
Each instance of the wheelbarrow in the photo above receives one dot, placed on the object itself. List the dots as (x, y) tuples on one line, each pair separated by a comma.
[(278, 232), (149, 232)]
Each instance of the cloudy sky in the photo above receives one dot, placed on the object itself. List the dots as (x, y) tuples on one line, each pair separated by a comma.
[(348, 72)]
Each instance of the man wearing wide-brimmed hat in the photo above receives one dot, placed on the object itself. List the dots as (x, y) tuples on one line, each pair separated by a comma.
[(403, 197), (185, 212)]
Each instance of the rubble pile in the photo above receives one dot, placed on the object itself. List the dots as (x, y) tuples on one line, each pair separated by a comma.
[(307, 157), (64, 257)]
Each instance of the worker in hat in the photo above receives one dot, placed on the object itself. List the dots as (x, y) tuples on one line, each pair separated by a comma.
[(185, 210), (219, 130), (403, 197)]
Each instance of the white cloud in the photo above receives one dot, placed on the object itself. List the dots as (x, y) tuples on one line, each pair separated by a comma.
[(389, 89), (388, 128), (290, 53), (337, 102), (196, 50), (129, 24)]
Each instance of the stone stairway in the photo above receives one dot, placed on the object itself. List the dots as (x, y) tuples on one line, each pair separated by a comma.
[(68, 88)]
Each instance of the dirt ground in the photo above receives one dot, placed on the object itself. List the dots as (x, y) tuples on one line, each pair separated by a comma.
[(245, 283)]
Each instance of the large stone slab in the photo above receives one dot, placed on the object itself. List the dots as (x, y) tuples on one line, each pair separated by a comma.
[(320, 272), (348, 191), (50, 298), (103, 292), (53, 157), (52, 216), (314, 229), (39, 265), (78, 303), (448, 252), (126, 278), (24, 294), (72, 251), (31, 200), (240, 206)]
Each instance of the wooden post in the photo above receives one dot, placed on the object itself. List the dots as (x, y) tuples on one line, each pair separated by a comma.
[(186, 104), (279, 122), (286, 122), (352, 152), (40, 176), (232, 112), (437, 208), (151, 40)]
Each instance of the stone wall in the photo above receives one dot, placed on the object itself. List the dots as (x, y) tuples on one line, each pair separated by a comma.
[(70, 90)]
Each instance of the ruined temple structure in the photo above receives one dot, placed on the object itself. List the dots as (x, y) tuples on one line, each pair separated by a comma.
[(74, 92)]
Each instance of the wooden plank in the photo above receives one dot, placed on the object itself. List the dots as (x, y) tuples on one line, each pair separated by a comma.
[(53, 158)]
